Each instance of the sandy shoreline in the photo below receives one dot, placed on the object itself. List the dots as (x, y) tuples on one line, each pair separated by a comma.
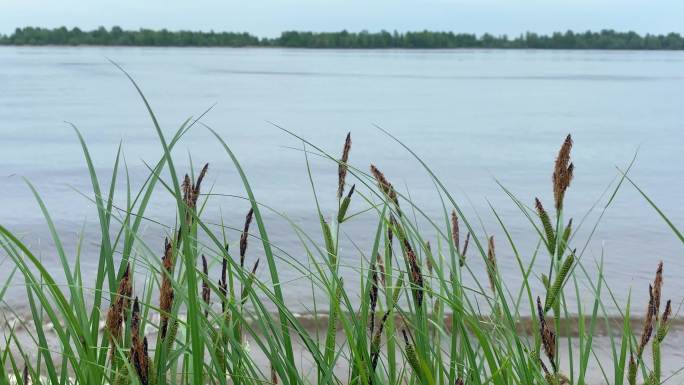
[(672, 354)]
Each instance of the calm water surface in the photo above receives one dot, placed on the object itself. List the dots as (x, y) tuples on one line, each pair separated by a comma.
[(475, 116)]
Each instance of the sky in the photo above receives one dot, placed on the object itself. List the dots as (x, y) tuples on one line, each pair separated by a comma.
[(269, 17)]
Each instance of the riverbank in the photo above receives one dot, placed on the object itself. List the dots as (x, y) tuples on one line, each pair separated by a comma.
[(602, 40), (602, 345)]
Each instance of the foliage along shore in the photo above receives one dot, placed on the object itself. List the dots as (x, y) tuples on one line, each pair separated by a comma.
[(605, 39)]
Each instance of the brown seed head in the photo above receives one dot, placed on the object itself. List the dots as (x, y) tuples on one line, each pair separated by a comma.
[(224, 266), (116, 313), (373, 296), (223, 292), (455, 232), (407, 341), (191, 191), (244, 236), (381, 268), (250, 280), (667, 312), (657, 289), (465, 249), (416, 274), (545, 369), (648, 322), (255, 267), (206, 290), (390, 233), (342, 167), (186, 187), (491, 264), (538, 206), (548, 337), (384, 185), (166, 294), (138, 352), (375, 341), (562, 173), (223, 284), (135, 318), (140, 359), (198, 183)]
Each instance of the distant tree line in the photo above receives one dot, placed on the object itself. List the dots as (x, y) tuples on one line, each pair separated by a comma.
[(605, 39), (119, 37)]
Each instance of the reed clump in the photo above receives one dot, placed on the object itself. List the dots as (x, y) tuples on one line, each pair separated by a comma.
[(387, 303)]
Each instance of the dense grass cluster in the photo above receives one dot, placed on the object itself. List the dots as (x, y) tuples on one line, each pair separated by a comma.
[(412, 320), (604, 39)]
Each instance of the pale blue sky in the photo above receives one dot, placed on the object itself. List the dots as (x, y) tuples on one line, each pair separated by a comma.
[(269, 17)]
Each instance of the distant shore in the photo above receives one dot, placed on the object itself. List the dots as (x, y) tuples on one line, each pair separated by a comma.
[(115, 36)]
